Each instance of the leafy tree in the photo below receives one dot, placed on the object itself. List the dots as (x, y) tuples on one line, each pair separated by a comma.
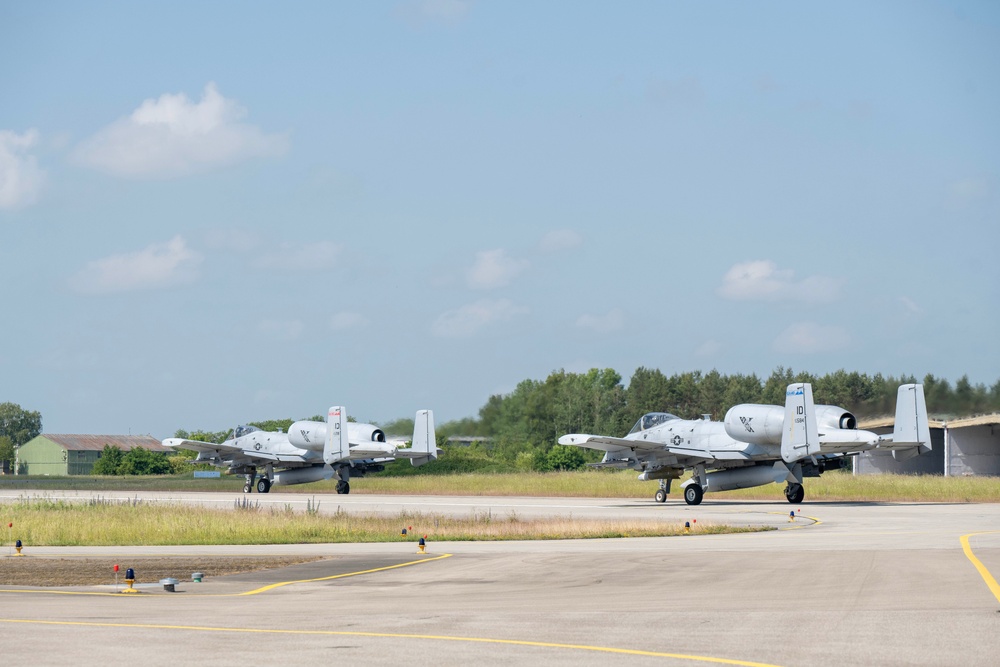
[(140, 461), (7, 453), (742, 389), (402, 426), (18, 424), (109, 461), (565, 458)]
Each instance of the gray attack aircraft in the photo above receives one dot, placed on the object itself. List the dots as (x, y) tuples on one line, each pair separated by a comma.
[(312, 451), (757, 444)]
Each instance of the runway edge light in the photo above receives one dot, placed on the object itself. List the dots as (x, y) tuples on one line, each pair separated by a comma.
[(17, 545), (422, 544), (130, 579)]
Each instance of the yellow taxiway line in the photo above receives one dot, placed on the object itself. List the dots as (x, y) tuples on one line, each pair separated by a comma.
[(341, 576), (991, 583), (338, 633)]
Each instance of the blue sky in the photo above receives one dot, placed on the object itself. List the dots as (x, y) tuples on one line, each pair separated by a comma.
[(220, 212)]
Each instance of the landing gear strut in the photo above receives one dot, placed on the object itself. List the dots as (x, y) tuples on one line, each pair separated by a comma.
[(251, 476), (663, 491), (794, 493)]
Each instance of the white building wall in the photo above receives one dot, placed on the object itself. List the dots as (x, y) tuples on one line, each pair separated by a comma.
[(880, 461), (974, 450)]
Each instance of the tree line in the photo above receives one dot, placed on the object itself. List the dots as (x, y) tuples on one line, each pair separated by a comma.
[(523, 425), (537, 412)]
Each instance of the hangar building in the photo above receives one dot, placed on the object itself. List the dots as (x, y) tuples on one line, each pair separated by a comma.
[(52, 454), (961, 447)]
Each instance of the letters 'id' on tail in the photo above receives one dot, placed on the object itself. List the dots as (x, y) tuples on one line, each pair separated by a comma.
[(800, 432), (424, 439), (337, 446)]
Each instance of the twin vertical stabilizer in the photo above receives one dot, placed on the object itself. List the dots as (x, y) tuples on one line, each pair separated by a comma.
[(337, 446), (424, 440), (911, 434), (800, 432)]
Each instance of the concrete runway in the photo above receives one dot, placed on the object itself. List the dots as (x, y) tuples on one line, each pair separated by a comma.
[(852, 584)]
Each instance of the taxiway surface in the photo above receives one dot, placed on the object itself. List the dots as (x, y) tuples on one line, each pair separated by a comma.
[(844, 584)]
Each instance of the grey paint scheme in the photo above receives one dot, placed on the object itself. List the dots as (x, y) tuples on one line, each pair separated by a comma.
[(757, 444), (312, 451)]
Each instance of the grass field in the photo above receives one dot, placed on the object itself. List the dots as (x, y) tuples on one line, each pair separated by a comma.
[(55, 522), (832, 486)]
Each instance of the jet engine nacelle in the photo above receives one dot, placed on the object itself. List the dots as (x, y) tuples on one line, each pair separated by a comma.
[(830, 416), (762, 424), (756, 424), (312, 435)]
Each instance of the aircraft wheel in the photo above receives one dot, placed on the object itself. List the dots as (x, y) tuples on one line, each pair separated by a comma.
[(343, 487), (661, 496), (263, 485), (693, 494), (247, 488), (795, 493), (347, 487)]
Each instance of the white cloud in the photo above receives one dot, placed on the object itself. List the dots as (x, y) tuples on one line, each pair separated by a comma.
[(614, 320), (469, 319), (282, 329), (560, 239), (317, 256), (762, 281), (20, 177), (173, 136), (493, 268), (158, 266), (345, 320), (810, 337)]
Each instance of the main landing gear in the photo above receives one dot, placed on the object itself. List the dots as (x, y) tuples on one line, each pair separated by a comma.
[(343, 487), (693, 494), (794, 493), (263, 484)]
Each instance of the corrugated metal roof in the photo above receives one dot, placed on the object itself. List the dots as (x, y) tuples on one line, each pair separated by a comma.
[(961, 422), (97, 442)]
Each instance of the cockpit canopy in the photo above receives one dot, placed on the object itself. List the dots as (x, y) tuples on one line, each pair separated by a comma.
[(652, 419), (242, 431)]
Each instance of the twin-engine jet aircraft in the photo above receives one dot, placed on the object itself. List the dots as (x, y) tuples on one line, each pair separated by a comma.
[(757, 444), (312, 451)]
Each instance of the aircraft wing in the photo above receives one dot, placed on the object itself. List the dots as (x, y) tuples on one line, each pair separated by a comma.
[(609, 444), (202, 447), (683, 455), (226, 452)]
